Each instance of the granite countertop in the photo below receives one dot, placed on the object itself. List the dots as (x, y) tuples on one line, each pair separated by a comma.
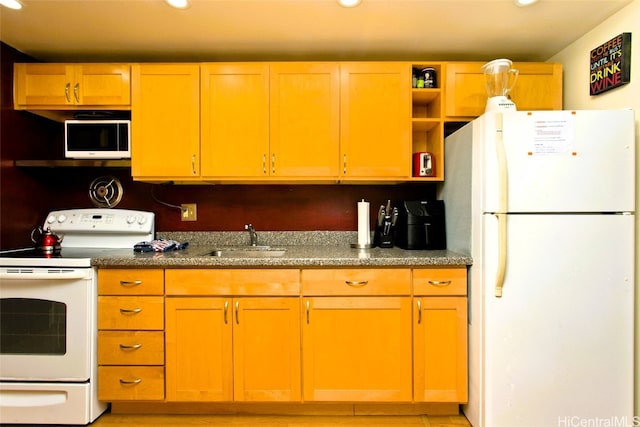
[(301, 249)]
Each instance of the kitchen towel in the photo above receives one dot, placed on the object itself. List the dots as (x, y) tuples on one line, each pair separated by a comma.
[(159, 245)]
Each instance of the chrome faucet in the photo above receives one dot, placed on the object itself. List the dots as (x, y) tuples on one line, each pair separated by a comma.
[(252, 234)]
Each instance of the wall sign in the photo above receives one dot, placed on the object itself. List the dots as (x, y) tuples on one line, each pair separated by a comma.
[(610, 64)]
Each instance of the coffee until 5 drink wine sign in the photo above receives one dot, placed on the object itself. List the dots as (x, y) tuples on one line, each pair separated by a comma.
[(610, 64)]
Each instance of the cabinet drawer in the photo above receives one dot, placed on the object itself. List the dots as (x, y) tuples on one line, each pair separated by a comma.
[(130, 348), (356, 281), (440, 281), (130, 383), (130, 313), (278, 282), (130, 282)]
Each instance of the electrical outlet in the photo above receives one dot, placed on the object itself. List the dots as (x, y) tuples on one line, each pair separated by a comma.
[(189, 212)]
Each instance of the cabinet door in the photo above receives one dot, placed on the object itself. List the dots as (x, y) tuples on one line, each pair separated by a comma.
[(235, 120), (266, 349), (102, 84), (357, 349), (60, 85), (43, 84), (165, 127), (305, 105), (440, 349), (198, 349), (539, 87), (375, 127)]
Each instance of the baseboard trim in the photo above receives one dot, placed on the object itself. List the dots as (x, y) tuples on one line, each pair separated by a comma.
[(306, 408)]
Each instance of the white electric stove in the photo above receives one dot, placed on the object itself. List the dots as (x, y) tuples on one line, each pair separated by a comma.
[(48, 317)]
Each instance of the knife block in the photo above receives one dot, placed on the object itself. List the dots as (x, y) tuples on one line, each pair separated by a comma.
[(383, 234)]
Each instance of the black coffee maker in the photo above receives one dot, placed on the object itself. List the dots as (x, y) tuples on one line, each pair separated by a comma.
[(421, 225)]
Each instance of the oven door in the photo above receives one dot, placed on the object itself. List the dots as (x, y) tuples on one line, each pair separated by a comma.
[(45, 323)]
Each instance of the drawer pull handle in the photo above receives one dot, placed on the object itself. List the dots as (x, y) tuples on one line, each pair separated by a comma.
[(419, 303), (308, 304), (439, 282), (130, 347), (75, 91), (356, 283), (130, 382), (130, 310), (66, 92), (129, 284), (226, 309)]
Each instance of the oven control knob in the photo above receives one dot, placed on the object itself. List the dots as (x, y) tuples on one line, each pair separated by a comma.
[(131, 219), (142, 220), (51, 219), (62, 218)]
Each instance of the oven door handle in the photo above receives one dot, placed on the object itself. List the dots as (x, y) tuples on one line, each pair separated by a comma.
[(26, 275)]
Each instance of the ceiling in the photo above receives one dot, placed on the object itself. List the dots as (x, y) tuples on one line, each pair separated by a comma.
[(233, 30)]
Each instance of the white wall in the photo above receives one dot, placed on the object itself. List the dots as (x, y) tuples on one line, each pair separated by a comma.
[(575, 61)]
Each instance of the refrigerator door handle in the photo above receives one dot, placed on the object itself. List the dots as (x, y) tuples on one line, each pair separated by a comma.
[(501, 215), (502, 253)]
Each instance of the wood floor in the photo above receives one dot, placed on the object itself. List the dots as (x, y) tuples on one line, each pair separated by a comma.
[(110, 420)]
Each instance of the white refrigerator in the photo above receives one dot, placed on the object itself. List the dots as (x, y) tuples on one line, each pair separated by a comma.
[(544, 202)]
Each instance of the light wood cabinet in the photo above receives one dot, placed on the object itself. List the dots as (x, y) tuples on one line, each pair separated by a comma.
[(375, 121), (235, 120), (440, 335), (539, 87), (348, 338), (165, 122), (244, 346), (60, 86), (130, 334), (305, 120), (395, 335)]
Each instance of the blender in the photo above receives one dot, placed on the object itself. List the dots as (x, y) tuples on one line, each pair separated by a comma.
[(500, 79)]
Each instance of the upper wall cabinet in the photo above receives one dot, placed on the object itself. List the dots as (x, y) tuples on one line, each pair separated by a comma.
[(270, 120), (539, 87), (375, 121), (40, 86), (305, 120), (235, 120), (165, 122)]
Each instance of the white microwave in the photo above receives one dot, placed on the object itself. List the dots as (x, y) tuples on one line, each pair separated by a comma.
[(97, 139)]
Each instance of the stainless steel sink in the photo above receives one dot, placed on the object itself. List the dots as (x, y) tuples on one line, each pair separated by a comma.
[(247, 252)]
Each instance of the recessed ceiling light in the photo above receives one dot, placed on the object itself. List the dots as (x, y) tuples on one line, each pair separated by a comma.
[(11, 4), (349, 3), (525, 2), (178, 4)]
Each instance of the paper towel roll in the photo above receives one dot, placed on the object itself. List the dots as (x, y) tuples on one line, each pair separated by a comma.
[(364, 234)]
